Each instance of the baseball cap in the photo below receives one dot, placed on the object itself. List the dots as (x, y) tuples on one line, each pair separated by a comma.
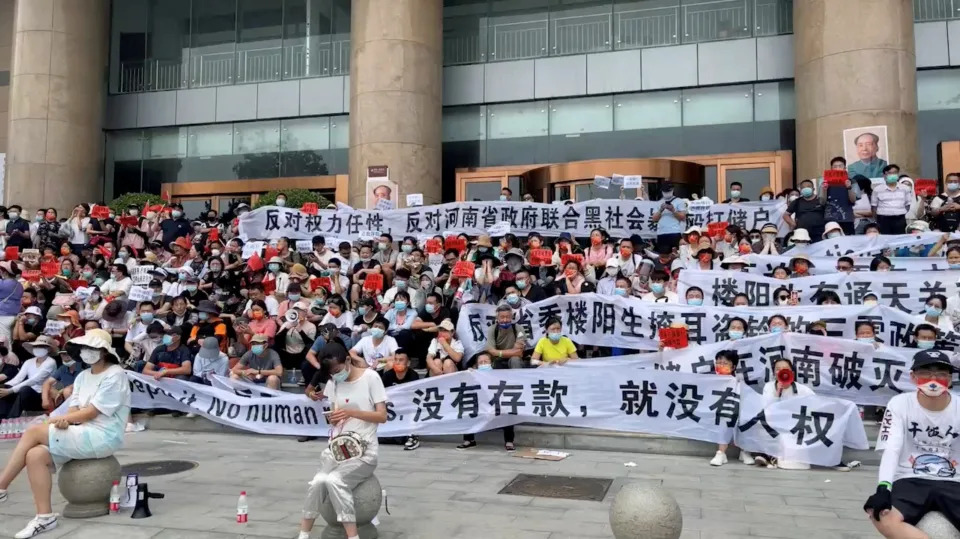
[(927, 358), (174, 330)]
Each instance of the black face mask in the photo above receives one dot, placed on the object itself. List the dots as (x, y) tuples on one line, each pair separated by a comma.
[(4, 350)]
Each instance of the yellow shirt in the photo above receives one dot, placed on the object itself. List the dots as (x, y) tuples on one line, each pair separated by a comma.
[(550, 352)]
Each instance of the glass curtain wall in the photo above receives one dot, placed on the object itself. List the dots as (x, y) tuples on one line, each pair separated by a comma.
[(499, 30), (174, 44)]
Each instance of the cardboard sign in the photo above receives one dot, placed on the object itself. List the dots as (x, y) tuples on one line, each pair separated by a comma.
[(384, 204), (455, 242), (255, 263), (127, 220), (269, 287), (674, 337), (31, 275), (251, 248), (433, 246), (49, 269), (140, 293), (602, 182), (373, 281), (925, 187), (214, 234), (54, 328), (464, 270), (100, 212), (835, 178), (633, 182), (64, 299), (11, 253), (716, 230), (500, 229), (571, 257), (414, 200), (541, 257), (310, 208)]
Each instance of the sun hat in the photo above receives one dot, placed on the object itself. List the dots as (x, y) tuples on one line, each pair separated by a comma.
[(43, 340), (96, 338)]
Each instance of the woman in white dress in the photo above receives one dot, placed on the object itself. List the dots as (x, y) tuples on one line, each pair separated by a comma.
[(92, 428), (359, 404)]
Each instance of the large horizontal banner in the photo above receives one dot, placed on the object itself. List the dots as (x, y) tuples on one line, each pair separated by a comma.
[(621, 218), (904, 290), (692, 406), (867, 246), (823, 265), (598, 320)]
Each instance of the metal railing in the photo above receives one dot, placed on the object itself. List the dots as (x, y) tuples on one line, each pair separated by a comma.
[(263, 64), (935, 10)]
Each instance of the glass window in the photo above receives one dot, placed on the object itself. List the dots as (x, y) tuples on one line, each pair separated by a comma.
[(580, 26), (257, 148), (306, 38), (710, 182), (581, 115), (302, 145), (464, 123), (650, 110), (482, 191), (774, 101), (513, 120), (164, 154), (210, 153), (128, 46), (938, 89), (646, 24), (711, 20), (259, 40), (773, 17), (123, 157), (751, 179), (517, 29), (168, 44), (718, 105), (588, 191), (126, 145), (340, 40), (340, 131), (464, 31), (213, 43), (226, 203)]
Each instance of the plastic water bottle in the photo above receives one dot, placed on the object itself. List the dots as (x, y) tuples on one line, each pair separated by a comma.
[(21, 426), (242, 508), (115, 497), (4, 429)]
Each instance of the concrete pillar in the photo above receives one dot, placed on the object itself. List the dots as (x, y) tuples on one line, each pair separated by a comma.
[(395, 95), (54, 153), (855, 67)]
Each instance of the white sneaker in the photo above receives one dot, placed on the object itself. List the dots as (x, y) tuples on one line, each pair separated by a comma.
[(38, 525), (719, 459), (191, 415), (747, 458), (792, 465), (3, 496)]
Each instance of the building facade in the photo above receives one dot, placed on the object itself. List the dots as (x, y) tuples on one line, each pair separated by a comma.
[(217, 100)]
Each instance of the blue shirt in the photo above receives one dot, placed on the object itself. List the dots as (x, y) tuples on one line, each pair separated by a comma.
[(66, 375), (668, 223), (11, 292)]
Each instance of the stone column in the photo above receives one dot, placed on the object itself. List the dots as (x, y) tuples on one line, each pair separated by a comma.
[(396, 64), (855, 67), (55, 149)]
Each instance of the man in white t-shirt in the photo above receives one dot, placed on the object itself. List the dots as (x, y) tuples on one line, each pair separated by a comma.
[(918, 437), (375, 350)]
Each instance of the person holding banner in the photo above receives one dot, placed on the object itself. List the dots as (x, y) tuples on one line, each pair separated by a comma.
[(359, 403), (484, 363), (367, 266), (918, 437), (934, 314)]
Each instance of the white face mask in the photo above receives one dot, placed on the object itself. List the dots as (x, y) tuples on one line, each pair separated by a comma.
[(764, 197), (90, 355), (40, 352), (612, 271)]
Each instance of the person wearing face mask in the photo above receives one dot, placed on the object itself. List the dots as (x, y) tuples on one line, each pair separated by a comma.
[(528, 287), (917, 474), (736, 329), (506, 194), (366, 266), (513, 299), (23, 392), (782, 387), (768, 244), (144, 345), (376, 350), (867, 333), (778, 324), (59, 386), (138, 331), (210, 360), (572, 280), (18, 229), (736, 192), (401, 373), (890, 204), (401, 317), (800, 266), (276, 279), (483, 362), (513, 260), (135, 235), (176, 226), (553, 348), (833, 230), (172, 359), (658, 289), (208, 323), (445, 353), (35, 225), (694, 296), (48, 232), (924, 336), (599, 251), (386, 255), (807, 212), (506, 341), (839, 200), (92, 428), (260, 365), (725, 364), (119, 283), (608, 282), (935, 313), (944, 209), (402, 282), (671, 218)]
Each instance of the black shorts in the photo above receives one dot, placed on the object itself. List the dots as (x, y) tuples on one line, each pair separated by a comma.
[(915, 497), (668, 241)]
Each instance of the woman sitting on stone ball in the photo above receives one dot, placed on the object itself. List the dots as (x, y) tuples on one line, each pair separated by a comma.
[(92, 428)]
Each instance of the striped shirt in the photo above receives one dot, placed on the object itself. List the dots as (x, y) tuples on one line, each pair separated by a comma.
[(891, 202)]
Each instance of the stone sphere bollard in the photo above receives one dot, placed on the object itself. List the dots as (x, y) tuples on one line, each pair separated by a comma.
[(86, 486), (367, 498), (645, 512), (937, 526)]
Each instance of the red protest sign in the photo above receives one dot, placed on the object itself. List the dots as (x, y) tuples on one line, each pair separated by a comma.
[(433, 246), (11, 253), (100, 212), (128, 220), (214, 234), (270, 286), (715, 230), (322, 282), (674, 337), (31, 275), (309, 208), (373, 281), (835, 178), (541, 257), (76, 283), (925, 187), (571, 257), (454, 242), (464, 269), (255, 263), (270, 252), (49, 269)]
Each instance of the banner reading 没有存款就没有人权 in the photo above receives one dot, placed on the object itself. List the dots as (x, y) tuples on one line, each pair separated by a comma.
[(906, 291), (619, 398), (620, 218)]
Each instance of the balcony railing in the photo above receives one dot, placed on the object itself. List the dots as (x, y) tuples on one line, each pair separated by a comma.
[(935, 10)]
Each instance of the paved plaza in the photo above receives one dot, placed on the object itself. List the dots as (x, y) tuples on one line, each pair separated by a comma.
[(438, 492)]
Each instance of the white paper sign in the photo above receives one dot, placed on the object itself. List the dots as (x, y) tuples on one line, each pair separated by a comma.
[(369, 235), (617, 179), (499, 229), (250, 248), (633, 182), (701, 205), (602, 182), (54, 328), (140, 293), (384, 204), (435, 261), (83, 292), (141, 275), (304, 246), (415, 199)]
